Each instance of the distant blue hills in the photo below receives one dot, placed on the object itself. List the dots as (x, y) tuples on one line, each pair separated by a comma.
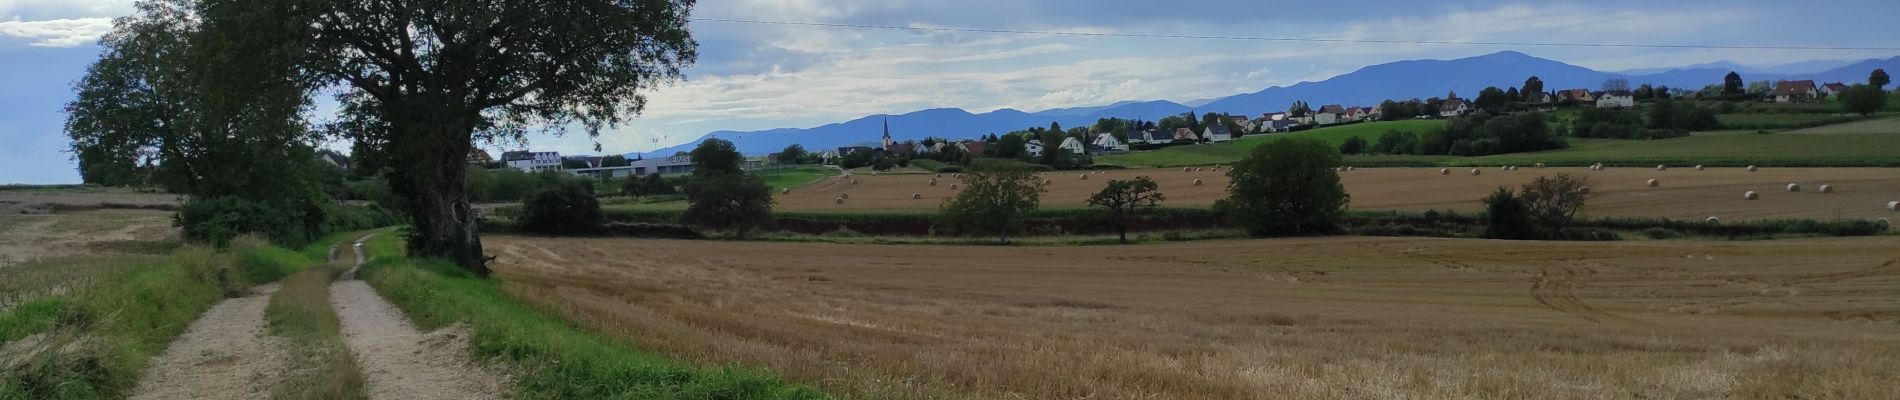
[(1368, 86)]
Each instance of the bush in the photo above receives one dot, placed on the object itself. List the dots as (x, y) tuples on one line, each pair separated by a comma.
[(1353, 146), (218, 220), (1507, 217), (993, 202), (1286, 187), (1661, 233), (569, 209)]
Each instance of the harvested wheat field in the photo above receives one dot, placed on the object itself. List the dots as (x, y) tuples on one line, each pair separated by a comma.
[(1250, 319), (1684, 193)]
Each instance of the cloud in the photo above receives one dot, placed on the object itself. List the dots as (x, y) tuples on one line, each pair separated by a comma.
[(59, 32)]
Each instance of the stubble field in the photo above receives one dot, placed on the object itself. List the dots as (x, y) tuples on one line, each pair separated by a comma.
[(1684, 193), (1253, 319)]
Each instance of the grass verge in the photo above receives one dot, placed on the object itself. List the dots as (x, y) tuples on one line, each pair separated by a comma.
[(322, 366), (85, 328), (555, 359)]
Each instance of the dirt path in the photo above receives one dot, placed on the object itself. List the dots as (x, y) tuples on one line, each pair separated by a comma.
[(401, 362), (226, 354)]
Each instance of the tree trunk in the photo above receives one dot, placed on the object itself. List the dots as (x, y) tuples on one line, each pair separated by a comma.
[(429, 149), (1122, 230)]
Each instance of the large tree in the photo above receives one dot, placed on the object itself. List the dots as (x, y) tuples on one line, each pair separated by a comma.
[(1286, 187), (442, 74), (1532, 86), (721, 195), (1879, 79), (994, 201), (1732, 84), (1123, 200)]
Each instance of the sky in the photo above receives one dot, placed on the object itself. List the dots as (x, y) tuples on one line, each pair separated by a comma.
[(761, 76)]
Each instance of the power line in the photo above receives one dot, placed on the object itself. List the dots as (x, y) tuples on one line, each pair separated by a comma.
[(1278, 39)]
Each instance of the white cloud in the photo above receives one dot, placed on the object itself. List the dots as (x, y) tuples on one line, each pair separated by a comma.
[(59, 32), (56, 9)]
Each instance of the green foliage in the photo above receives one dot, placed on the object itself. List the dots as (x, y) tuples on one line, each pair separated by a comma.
[(1286, 187), (1507, 217), (649, 185), (993, 201), (1863, 99), (1122, 200), (1394, 142), (568, 209), (555, 359), (1353, 146), (721, 195), (1627, 124), (508, 185), (218, 220)]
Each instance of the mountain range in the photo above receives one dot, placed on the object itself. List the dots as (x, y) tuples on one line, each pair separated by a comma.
[(1365, 87)]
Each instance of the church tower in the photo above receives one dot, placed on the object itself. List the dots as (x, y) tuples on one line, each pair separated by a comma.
[(887, 134)]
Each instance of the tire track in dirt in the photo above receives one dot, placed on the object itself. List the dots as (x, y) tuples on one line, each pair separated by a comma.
[(400, 362), (227, 353), (1559, 292)]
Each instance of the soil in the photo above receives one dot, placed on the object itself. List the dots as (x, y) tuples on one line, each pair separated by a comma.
[(228, 353), (28, 237), (401, 362)]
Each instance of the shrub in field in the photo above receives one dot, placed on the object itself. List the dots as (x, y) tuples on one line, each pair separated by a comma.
[(1507, 217), (1555, 201), (1661, 233), (218, 220), (567, 209), (994, 201), (1124, 199), (1353, 146), (1286, 187)]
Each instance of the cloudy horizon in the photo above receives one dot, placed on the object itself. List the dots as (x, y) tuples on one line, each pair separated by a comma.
[(763, 76)]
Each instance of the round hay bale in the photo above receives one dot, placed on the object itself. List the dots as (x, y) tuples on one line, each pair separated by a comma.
[(953, 186), (854, 181), (933, 181), (1351, 168), (1884, 222), (1197, 182), (1699, 168), (1085, 177), (1893, 206), (844, 195), (1794, 187), (1583, 190), (785, 191), (916, 196), (840, 200), (1751, 195), (958, 175), (1713, 220), (1827, 188), (1540, 165), (1660, 167), (1475, 171), (939, 176), (875, 173), (1186, 169), (1654, 183), (1444, 171), (1751, 168), (1048, 182)]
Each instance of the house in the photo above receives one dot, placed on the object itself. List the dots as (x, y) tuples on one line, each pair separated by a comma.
[(1616, 99), (1274, 116), (590, 161), (1073, 145), (1107, 143), (1217, 133), (1279, 126), (479, 157), (848, 150), (903, 149), (1454, 107), (1375, 113), (334, 158), (531, 161), (1355, 113), (1833, 89), (1034, 147), (1185, 134), (974, 147), (1576, 95), (1540, 98), (1794, 91), (1330, 114)]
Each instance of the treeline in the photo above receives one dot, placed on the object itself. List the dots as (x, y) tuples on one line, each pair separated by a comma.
[(1478, 134)]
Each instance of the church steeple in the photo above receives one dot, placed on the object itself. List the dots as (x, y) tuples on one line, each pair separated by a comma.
[(887, 134)]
